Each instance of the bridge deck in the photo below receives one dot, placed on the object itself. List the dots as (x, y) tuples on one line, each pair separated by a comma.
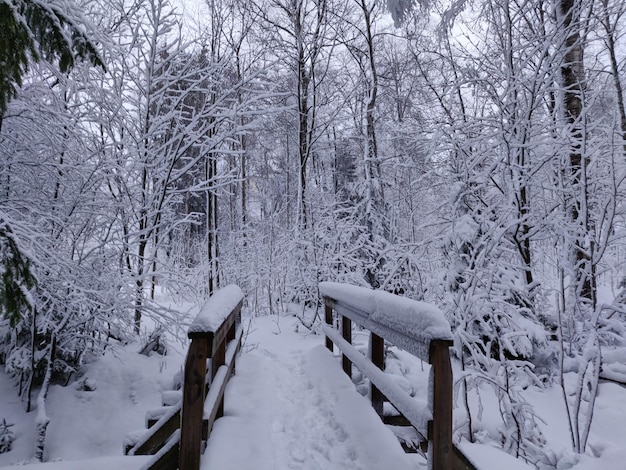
[(290, 406)]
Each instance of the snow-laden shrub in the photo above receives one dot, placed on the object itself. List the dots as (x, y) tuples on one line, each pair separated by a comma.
[(495, 328), (6, 437)]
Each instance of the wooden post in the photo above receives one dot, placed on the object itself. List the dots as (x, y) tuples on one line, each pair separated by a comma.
[(377, 348), (328, 315), (441, 435), (210, 332), (346, 327), (194, 390)]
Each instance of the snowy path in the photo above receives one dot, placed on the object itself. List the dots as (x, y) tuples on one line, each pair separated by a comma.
[(291, 407)]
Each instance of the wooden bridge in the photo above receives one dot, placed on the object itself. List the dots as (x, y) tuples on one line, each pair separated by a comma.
[(178, 434)]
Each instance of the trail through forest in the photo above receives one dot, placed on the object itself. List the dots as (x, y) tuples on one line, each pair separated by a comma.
[(471, 155), (291, 407)]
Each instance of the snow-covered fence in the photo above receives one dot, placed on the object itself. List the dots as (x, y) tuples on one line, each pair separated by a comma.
[(416, 327), (215, 327), (216, 335)]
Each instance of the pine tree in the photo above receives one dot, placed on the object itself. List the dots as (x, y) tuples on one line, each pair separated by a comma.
[(36, 30), (16, 276), (6, 437)]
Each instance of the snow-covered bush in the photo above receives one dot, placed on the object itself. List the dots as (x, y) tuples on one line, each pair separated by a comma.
[(7, 437), (496, 332)]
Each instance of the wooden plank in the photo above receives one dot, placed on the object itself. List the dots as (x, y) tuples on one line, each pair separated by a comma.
[(221, 334), (216, 362), (415, 409), (461, 462), (194, 388), (167, 457), (377, 351), (215, 310), (208, 341), (219, 382), (237, 334), (357, 316), (233, 347), (346, 326), (415, 344), (156, 436), (217, 337), (418, 319), (441, 437), (154, 415), (437, 426), (328, 315), (218, 385)]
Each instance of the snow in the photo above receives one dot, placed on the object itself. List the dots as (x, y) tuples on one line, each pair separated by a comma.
[(399, 313), (486, 457), (171, 397), (139, 439), (614, 365), (214, 394), (465, 228), (92, 424), (607, 450), (415, 409), (169, 445), (289, 406), (413, 320), (98, 463), (216, 309)]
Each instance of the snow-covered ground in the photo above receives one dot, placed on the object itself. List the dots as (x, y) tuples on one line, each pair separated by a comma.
[(86, 424), (289, 407)]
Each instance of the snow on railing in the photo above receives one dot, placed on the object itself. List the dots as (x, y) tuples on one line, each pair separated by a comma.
[(418, 328), (216, 311), (216, 325), (216, 335)]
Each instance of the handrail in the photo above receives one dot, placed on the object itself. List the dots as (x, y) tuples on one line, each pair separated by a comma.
[(213, 328), (417, 327), (176, 439)]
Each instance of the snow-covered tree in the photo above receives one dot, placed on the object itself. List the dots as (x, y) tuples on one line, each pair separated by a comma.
[(33, 30)]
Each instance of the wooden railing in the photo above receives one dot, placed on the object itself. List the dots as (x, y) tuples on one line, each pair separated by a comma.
[(178, 437), (416, 327)]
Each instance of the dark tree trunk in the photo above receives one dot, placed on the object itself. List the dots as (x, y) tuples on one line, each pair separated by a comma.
[(573, 77)]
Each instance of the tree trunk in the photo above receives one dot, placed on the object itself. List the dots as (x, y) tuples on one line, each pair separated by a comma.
[(211, 224), (244, 186), (42, 419), (573, 79), (33, 350), (303, 131), (141, 251)]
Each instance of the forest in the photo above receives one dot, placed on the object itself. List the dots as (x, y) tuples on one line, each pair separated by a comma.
[(471, 154)]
